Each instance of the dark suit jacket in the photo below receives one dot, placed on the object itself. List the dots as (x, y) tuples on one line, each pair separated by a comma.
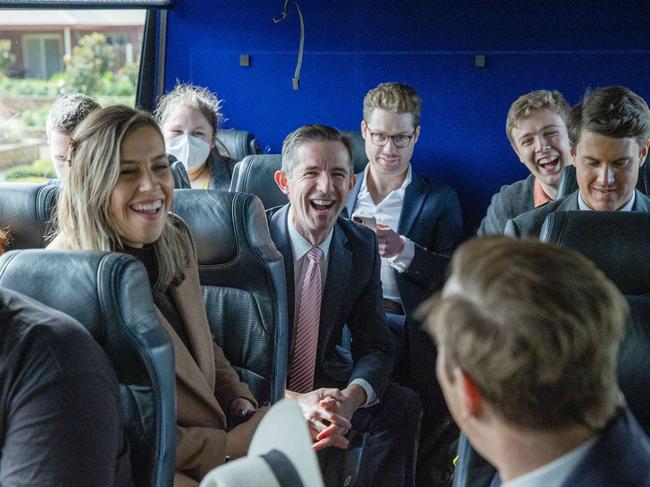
[(511, 201), (619, 458), (352, 296), (529, 224), (432, 219)]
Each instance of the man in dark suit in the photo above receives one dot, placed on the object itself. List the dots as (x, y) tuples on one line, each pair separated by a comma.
[(418, 224), (609, 133), (332, 269), (528, 335)]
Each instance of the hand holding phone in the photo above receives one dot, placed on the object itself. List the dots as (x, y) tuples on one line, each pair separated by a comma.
[(368, 221)]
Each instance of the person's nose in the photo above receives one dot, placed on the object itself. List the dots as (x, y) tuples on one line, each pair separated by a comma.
[(324, 183), (541, 144), (606, 176), (148, 181)]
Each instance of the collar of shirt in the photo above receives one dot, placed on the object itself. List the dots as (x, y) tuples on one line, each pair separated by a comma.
[(556, 472), (399, 192), (539, 195), (300, 245), (628, 206)]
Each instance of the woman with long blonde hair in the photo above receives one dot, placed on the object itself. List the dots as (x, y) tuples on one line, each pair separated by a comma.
[(117, 197)]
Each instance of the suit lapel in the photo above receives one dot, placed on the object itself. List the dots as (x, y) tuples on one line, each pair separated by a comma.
[(338, 275), (414, 197), (641, 202), (351, 202), (570, 203), (280, 236)]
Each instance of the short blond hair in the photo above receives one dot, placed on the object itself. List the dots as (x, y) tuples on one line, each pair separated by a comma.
[(537, 327), (532, 102), (84, 218), (393, 97)]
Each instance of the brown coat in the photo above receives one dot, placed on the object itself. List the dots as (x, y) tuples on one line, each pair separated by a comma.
[(206, 383)]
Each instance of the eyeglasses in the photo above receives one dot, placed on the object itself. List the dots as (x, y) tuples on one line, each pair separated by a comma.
[(400, 141)]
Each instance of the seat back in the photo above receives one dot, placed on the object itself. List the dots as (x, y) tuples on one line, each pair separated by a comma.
[(254, 174), (237, 144), (26, 211), (359, 157), (616, 241), (181, 178), (568, 182), (244, 290), (633, 364), (109, 294)]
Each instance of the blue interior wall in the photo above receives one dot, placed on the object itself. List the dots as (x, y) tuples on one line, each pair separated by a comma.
[(350, 47)]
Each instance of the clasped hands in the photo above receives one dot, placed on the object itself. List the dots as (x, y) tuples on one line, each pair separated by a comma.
[(328, 412)]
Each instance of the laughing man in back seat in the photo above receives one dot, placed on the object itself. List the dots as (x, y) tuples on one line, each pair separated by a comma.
[(609, 133)]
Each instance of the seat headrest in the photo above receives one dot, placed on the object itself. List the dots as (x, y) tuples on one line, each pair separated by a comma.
[(213, 219), (109, 294), (237, 143), (359, 158), (254, 174), (643, 183), (26, 210), (181, 178), (616, 241), (568, 182)]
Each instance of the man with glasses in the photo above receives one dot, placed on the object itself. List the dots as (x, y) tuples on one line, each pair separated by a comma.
[(418, 224)]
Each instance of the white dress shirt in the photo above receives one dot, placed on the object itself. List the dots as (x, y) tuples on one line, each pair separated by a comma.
[(388, 212), (584, 207), (554, 474), (299, 247)]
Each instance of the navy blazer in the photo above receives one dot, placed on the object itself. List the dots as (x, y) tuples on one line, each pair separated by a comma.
[(432, 220), (530, 224), (352, 296), (619, 458)]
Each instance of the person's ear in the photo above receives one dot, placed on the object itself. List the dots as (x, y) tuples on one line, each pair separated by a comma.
[(364, 127), (572, 153), (644, 153), (353, 181), (471, 400), (417, 134), (281, 180)]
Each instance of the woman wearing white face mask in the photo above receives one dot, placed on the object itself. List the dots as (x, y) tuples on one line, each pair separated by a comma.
[(189, 117)]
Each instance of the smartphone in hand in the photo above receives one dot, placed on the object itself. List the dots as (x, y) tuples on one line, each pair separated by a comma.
[(368, 221)]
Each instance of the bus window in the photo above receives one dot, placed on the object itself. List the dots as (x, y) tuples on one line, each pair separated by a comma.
[(48, 53)]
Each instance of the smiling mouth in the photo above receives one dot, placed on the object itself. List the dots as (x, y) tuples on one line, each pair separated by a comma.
[(321, 205), (605, 191), (549, 163), (151, 208)]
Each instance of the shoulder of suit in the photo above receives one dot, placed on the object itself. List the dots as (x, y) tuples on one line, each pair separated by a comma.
[(428, 185), (543, 210), (355, 230)]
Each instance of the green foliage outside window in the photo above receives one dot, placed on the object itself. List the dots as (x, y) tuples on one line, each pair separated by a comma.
[(7, 58)]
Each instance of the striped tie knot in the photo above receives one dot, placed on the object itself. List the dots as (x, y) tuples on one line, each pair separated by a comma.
[(314, 255)]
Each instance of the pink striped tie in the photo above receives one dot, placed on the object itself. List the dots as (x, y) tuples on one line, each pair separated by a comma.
[(301, 375)]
